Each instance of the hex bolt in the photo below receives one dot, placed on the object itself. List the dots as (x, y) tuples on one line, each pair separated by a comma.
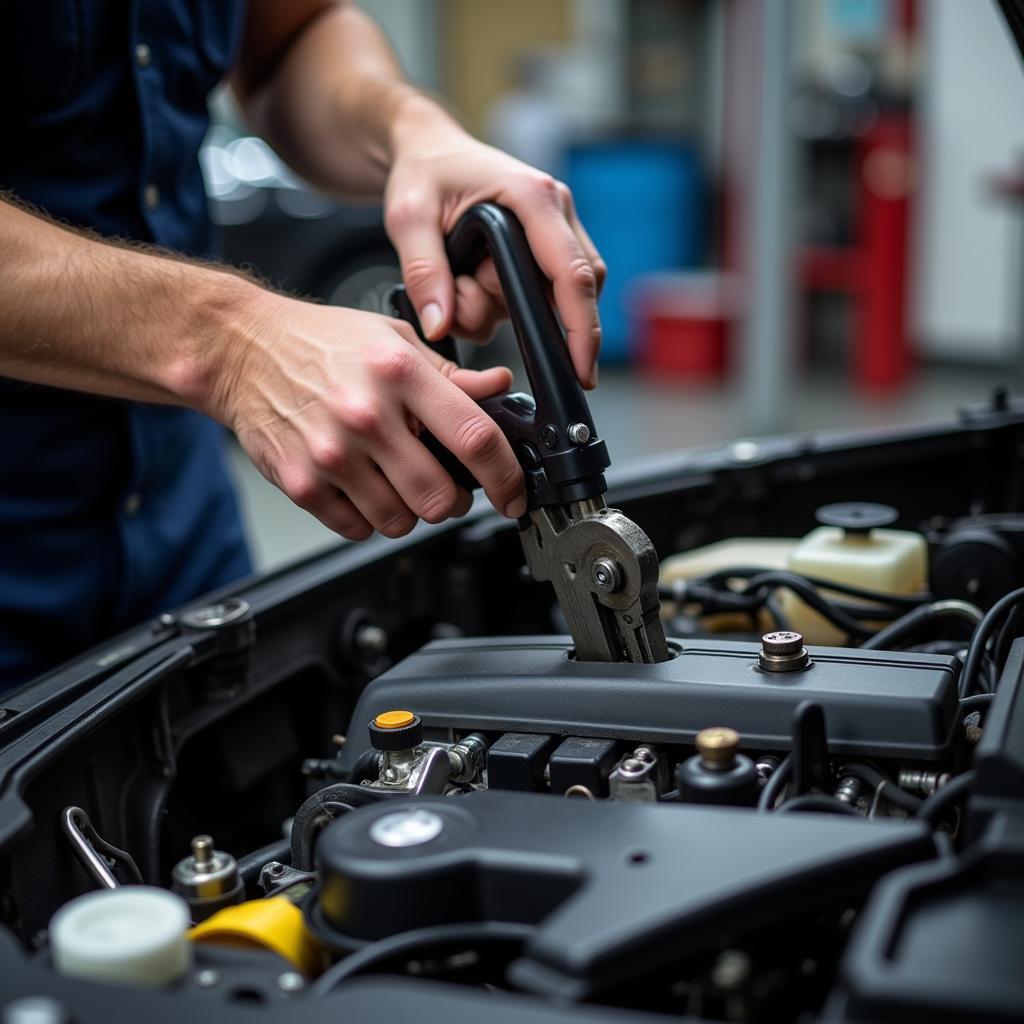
[(607, 575), (579, 433)]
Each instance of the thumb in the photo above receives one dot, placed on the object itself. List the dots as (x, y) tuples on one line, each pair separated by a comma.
[(479, 384), (415, 231)]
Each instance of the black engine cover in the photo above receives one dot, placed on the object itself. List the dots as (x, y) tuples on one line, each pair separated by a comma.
[(877, 704), (615, 890)]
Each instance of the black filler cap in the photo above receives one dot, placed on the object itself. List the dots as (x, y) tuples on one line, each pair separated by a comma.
[(396, 730)]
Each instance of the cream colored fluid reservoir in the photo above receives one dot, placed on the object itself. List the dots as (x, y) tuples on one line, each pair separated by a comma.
[(854, 547), (135, 934)]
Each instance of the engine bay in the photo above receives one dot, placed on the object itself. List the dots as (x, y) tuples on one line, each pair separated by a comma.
[(382, 783)]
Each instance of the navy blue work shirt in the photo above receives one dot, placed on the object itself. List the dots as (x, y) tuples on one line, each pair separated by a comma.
[(110, 511)]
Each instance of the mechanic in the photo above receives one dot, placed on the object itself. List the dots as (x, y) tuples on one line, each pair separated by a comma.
[(124, 351)]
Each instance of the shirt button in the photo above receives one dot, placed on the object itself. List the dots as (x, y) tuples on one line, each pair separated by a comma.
[(151, 195), (132, 503), (143, 55)]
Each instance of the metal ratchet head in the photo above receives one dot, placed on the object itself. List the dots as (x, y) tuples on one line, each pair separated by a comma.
[(605, 573)]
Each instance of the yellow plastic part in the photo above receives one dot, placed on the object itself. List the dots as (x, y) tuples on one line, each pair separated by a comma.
[(275, 924), (394, 719)]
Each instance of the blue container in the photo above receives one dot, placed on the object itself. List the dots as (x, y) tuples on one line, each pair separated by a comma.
[(642, 203)]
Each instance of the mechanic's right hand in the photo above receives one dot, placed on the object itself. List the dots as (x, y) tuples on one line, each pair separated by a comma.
[(328, 403)]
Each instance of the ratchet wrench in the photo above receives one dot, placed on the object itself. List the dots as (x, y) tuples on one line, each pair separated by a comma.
[(603, 567)]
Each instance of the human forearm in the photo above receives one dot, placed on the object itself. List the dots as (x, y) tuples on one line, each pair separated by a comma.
[(325, 400), (334, 103), (95, 316)]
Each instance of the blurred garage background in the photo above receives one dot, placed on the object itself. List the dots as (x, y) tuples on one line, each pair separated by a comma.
[(812, 210)]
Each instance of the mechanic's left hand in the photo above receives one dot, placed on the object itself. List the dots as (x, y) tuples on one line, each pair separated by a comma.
[(439, 173)]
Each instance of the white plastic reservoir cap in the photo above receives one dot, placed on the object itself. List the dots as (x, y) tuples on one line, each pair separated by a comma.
[(134, 934)]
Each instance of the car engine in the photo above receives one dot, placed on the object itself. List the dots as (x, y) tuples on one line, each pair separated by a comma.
[(380, 784)]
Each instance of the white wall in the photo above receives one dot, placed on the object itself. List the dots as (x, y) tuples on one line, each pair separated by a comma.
[(969, 300)]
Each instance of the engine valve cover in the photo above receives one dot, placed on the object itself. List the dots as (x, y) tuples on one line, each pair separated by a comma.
[(876, 703)]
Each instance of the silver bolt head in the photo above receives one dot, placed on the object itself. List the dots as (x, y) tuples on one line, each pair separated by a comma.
[(291, 981), (206, 978), (782, 642), (607, 575), (579, 433)]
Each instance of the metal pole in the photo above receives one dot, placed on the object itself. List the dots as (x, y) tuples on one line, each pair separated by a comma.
[(767, 331)]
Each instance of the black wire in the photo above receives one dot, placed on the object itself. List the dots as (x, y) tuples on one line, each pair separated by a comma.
[(883, 785), (897, 631), (939, 804), (904, 601), (810, 596), (405, 944), (978, 701), (815, 802), (774, 786), (1010, 631), (774, 606), (980, 639)]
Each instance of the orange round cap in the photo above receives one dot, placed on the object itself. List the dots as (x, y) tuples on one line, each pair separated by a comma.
[(394, 719)]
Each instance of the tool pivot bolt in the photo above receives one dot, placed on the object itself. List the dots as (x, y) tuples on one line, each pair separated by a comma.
[(579, 433), (548, 436), (607, 575)]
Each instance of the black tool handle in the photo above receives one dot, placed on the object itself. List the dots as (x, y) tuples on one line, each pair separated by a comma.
[(558, 469)]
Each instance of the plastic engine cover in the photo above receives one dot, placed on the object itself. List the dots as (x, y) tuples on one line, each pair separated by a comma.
[(876, 703)]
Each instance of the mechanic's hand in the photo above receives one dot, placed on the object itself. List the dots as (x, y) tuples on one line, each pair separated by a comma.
[(438, 172), (328, 403)]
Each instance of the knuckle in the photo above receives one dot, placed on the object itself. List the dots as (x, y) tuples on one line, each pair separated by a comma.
[(436, 503), (398, 524), (479, 438), (393, 366), (418, 272), (544, 185), (364, 418), (329, 454), (409, 208), (583, 276), (354, 531), (302, 488), (564, 194)]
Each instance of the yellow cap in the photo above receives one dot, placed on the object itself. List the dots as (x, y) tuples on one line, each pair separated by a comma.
[(394, 719), (275, 924)]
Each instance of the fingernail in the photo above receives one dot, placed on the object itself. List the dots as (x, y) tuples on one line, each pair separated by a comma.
[(431, 318), (516, 508)]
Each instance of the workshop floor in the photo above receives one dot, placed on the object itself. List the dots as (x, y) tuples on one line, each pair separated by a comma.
[(639, 417)]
